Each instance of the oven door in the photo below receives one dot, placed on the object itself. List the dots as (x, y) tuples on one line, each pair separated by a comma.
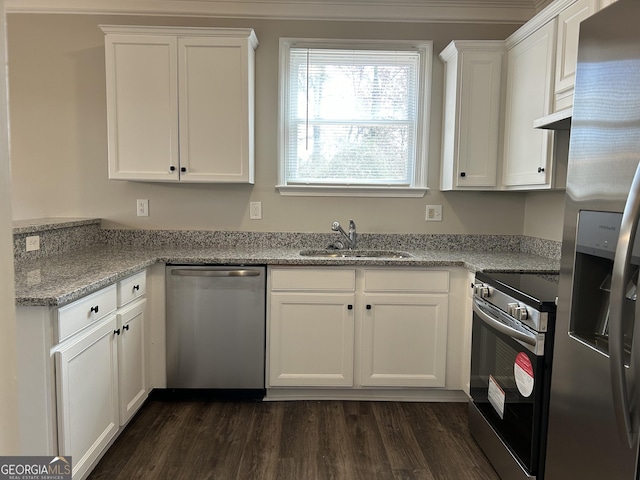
[(508, 380)]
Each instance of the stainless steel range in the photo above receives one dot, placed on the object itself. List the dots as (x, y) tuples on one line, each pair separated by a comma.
[(512, 342)]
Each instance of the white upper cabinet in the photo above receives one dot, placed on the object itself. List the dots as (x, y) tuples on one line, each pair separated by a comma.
[(567, 50), (528, 153), (472, 94), (180, 103)]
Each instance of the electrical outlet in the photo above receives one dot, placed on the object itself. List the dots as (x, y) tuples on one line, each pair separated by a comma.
[(434, 213), (33, 243), (142, 207), (255, 210)]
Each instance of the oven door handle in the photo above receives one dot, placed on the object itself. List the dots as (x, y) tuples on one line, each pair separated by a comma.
[(501, 327)]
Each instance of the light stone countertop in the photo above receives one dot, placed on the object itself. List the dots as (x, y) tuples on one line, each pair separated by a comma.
[(59, 279), (37, 225)]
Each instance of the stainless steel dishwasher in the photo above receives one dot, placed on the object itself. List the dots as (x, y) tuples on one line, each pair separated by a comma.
[(216, 327)]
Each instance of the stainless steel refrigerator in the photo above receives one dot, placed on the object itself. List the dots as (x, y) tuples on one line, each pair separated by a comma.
[(595, 390)]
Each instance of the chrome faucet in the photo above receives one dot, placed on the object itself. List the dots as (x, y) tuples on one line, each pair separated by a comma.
[(350, 237)]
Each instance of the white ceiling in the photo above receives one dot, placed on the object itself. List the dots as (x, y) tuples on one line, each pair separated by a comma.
[(485, 11)]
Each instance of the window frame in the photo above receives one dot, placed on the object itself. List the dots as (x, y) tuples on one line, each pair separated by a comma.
[(418, 186)]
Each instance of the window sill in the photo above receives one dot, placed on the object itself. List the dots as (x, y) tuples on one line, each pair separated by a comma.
[(350, 191)]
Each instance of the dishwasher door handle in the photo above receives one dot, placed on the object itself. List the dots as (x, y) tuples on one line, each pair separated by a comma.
[(187, 272)]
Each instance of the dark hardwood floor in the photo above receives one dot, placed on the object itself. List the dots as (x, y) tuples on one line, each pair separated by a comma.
[(297, 440)]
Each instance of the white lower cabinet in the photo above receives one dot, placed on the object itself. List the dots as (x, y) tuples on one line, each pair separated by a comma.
[(101, 376), (132, 377), (404, 340), (357, 327), (87, 395), (82, 372), (312, 339)]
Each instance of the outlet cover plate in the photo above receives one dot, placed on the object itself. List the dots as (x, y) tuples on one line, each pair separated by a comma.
[(255, 210), (142, 207), (33, 243)]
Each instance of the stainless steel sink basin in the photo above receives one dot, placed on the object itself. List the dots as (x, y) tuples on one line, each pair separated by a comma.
[(355, 253)]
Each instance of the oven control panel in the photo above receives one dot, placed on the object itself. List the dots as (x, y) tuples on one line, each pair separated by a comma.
[(510, 306)]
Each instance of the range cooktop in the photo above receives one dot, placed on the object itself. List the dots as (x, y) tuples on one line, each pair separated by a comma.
[(537, 290)]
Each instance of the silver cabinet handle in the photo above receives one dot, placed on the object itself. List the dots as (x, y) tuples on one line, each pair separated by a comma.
[(619, 279), (501, 327), (186, 272)]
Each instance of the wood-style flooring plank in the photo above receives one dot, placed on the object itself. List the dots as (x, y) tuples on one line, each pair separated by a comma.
[(370, 457), (441, 432), (262, 444), (336, 453), (399, 441), (297, 440)]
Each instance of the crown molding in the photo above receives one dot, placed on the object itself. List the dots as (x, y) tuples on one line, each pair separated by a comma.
[(438, 11)]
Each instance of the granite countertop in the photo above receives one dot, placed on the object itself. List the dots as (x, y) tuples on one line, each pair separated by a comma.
[(59, 279), (37, 225)]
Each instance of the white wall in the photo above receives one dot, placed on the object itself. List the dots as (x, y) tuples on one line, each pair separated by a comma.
[(9, 434), (544, 215), (59, 139)]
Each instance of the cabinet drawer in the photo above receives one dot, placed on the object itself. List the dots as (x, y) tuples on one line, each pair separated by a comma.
[(406, 281), (313, 279), (74, 317), (132, 287)]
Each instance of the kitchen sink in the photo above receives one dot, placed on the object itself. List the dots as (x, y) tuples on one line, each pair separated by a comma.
[(355, 253)]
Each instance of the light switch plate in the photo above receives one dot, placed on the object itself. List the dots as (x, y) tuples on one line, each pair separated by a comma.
[(433, 213)]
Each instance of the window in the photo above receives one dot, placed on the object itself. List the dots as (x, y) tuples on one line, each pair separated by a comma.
[(353, 117)]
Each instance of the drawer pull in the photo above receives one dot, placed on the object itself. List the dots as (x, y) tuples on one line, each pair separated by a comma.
[(136, 287), (116, 332), (94, 309), (350, 307), (368, 307), (125, 327)]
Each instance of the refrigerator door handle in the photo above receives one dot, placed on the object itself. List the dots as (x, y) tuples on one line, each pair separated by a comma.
[(619, 280)]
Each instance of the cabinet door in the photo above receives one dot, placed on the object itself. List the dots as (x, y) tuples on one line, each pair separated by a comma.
[(87, 395), (404, 340), (216, 104), (132, 386), (473, 75), (567, 50), (142, 107), (527, 151), (311, 339)]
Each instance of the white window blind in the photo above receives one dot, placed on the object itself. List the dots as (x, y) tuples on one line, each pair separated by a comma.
[(351, 116)]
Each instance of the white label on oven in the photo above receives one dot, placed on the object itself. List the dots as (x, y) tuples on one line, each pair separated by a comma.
[(523, 373), (496, 396)]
